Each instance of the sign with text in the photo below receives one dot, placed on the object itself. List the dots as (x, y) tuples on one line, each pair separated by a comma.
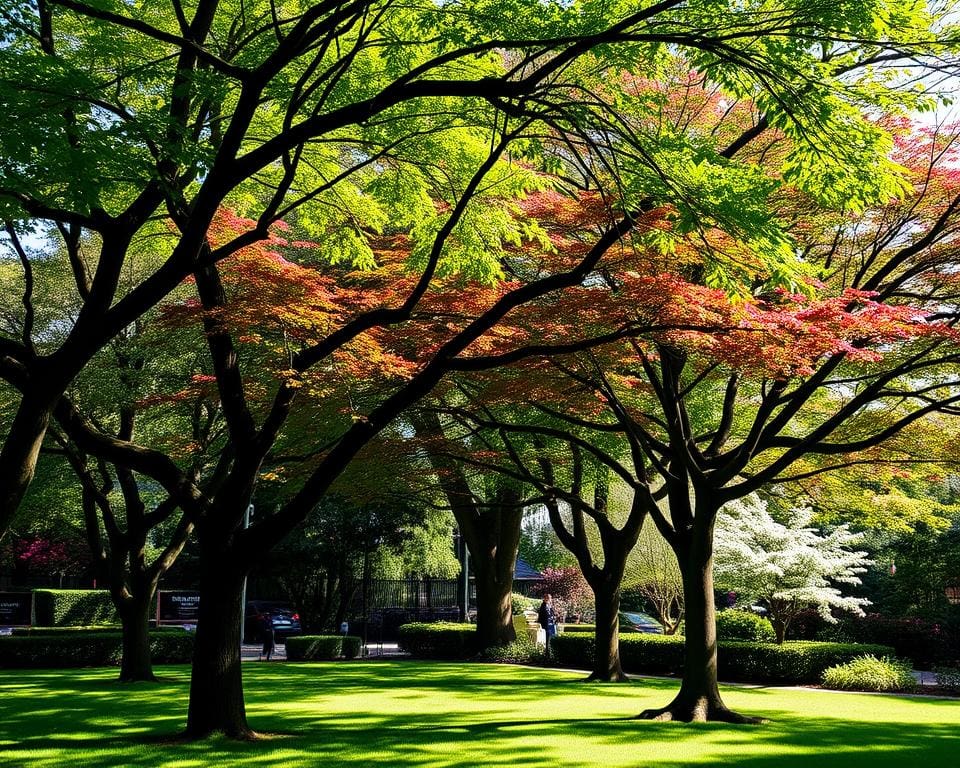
[(177, 607), (15, 609)]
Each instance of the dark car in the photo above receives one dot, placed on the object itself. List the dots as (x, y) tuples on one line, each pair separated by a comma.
[(634, 621), (283, 618)]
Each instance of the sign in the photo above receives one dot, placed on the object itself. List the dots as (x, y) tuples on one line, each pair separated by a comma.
[(178, 607), (15, 609)]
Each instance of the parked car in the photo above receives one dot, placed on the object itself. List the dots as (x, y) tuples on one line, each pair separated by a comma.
[(632, 621), (282, 616)]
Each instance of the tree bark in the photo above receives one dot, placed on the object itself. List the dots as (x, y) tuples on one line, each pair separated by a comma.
[(494, 582), (216, 684), (699, 697), (606, 665), (136, 664), (18, 457)]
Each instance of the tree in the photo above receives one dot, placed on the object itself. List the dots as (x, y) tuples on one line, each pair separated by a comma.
[(787, 564), (489, 511), (653, 573), (334, 120)]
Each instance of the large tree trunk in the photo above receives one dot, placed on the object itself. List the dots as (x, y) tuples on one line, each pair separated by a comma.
[(136, 664), (18, 458), (494, 603), (699, 697), (216, 685), (606, 665)]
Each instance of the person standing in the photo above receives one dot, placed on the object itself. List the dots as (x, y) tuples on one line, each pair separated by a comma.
[(547, 620), (268, 638)]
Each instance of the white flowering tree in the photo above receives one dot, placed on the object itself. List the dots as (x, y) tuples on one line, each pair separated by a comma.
[(788, 565)]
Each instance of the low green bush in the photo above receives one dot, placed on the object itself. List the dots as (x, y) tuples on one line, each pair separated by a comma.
[(792, 662), (439, 640), (322, 647), (798, 661), (72, 607), (869, 673), (37, 631), (523, 603), (519, 651), (87, 649), (948, 678), (734, 624), (578, 628)]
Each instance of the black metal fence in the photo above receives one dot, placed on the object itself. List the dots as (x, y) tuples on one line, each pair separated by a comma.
[(407, 593)]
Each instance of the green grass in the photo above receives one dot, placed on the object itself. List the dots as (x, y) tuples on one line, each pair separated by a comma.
[(395, 714)]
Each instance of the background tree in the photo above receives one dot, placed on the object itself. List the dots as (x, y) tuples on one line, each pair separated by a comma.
[(653, 574), (787, 564)]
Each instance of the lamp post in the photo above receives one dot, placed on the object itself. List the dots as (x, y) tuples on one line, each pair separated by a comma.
[(243, 595)]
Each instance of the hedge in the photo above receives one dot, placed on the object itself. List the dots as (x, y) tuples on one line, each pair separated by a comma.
[(87, 649), (577, 628), (37, 631), (792, 662), (440, 640), (322, 647), (72, 607)]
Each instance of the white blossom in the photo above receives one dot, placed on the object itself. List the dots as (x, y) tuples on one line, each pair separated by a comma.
[(788, 565)]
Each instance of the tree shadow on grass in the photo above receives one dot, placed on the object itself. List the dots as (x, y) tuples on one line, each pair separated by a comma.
[(456, 715)]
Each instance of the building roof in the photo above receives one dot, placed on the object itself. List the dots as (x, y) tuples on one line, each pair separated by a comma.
[(524, 572)]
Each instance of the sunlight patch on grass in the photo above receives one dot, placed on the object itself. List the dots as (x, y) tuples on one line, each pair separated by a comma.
[(401, 714)]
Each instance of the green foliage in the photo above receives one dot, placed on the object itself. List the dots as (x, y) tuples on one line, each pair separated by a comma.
[(86, 648), (322, 647), (520, 651), (948, 678), (441, 640), (72, 607), (576, 628), (869, 673), (792, 662), (522, 603), (734, 624)]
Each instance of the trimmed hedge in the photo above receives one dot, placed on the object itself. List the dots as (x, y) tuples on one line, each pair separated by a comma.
[(87, 649), (37, 631), (72, 607), (578, 628), (322, 647), (739, 661), (440, 640)]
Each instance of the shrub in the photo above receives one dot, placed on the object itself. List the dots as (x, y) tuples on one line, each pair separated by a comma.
[(734, 624), (522, 603), (948, 678), (87, 649), (518, 651), (72, 607), (792, 662), (441, 640), (322, 647), (925, 643), (868, 673), (37, 631), (580, 628)]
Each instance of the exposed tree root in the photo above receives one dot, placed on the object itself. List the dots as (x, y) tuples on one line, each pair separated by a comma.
[(699, 711)]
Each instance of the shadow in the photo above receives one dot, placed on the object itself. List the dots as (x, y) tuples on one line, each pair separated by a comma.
[(405, 713)]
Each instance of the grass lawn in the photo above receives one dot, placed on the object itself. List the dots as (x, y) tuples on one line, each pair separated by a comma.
[(406, 713)]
